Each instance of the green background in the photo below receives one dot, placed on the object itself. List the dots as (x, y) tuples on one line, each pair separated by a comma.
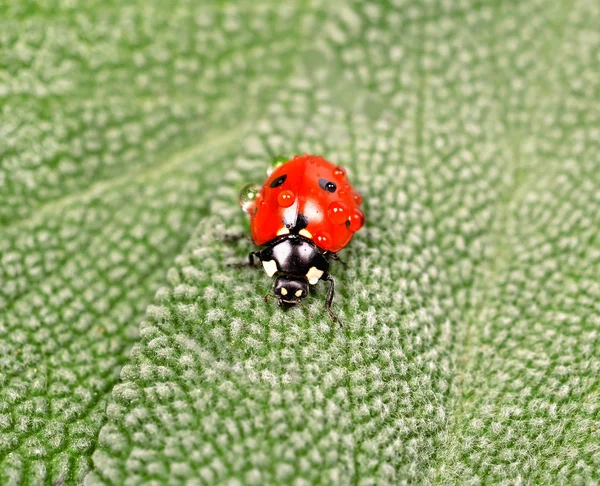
[(131, 353)]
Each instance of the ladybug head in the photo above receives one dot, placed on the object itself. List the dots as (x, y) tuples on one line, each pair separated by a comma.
[(290, 290)]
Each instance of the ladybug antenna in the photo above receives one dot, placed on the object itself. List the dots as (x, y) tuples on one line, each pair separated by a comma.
[(272, 296), (307, 309)]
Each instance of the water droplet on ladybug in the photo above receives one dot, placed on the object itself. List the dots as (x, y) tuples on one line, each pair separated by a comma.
[(357, 198), (339, 171), (357, 220), (248, 195), (322, 240), (286, 198), (338, 212)]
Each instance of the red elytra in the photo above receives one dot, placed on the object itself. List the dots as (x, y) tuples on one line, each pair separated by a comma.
[(310, 196)]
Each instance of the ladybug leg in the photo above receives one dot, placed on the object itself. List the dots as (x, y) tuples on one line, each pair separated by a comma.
[(337, 258), (329, 299), (249, 263), (251, 256)]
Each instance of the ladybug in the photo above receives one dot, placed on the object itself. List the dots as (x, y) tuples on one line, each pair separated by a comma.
[(301, 217)]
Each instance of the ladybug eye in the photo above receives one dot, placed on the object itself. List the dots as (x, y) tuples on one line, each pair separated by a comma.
[(327, 185), (277, 182)]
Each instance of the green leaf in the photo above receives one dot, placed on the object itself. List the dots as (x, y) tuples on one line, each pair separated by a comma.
[(469, 351), (115, 123)]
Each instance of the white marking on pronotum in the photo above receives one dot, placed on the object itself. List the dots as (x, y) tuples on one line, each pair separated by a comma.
[(313, 275), (283, 231), (306, 233), (298, 293), (270, 267), (283, 291)]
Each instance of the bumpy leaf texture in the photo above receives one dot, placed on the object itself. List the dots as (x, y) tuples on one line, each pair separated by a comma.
[(130, 353)]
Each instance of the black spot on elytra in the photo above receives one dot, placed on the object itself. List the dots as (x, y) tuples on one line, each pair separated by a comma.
[(277, 182), (327, 185)]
